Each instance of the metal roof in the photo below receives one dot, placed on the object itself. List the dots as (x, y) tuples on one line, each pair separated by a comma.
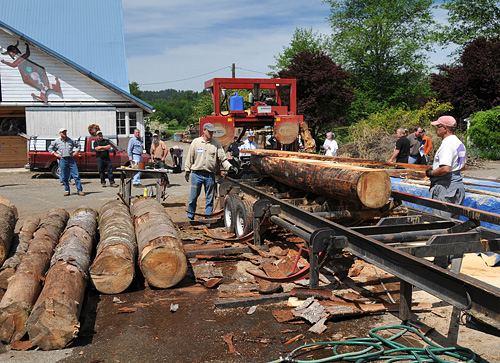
[(89, 33), (93, 51)]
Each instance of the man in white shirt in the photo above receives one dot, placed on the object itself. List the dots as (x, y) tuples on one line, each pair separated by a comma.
[(249, 143)]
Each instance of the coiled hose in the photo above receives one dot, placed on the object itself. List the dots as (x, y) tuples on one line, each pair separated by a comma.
[(377, 348)]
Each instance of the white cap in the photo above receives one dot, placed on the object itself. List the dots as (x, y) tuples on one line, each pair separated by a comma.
[(63, 129)]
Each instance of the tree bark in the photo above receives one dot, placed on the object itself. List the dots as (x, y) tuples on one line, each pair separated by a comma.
[(162, 258), (53, 322), (18, 249), (26, 283), (113, 269), (8, 219), (358, 185)]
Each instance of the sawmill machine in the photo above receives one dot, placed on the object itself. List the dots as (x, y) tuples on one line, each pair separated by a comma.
[(270, 103)]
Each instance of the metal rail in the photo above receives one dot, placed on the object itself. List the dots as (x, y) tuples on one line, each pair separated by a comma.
[(480, 299)]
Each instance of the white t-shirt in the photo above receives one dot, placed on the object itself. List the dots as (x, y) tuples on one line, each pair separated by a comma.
[(247, 145), (332, 151), (452, 153)]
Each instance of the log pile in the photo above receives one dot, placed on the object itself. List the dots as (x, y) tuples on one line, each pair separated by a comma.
[(8, 220), (162, 258), (368, 187), (54, 322), (25, 285), (18, 249), (113, 268)]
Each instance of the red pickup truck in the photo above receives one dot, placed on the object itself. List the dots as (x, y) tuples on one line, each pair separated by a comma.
[(40, 159)]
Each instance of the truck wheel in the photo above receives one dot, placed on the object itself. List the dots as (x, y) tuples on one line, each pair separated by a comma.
[(229, 208), (55, 170), (243, 225)]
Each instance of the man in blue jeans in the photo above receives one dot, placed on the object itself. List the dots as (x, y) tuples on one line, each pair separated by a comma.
[(65, 149), (203, 159), (135, 150)]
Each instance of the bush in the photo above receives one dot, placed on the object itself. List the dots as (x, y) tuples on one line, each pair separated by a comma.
[(484, 133)]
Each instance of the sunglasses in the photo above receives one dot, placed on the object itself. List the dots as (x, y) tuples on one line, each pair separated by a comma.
[(439, 126)]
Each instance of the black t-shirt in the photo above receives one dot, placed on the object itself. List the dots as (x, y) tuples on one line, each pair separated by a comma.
[(403, 145), (102, 154), (233, 148)]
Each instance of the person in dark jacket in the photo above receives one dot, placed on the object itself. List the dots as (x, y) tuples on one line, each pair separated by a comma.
[(102, 146), (402, 150)]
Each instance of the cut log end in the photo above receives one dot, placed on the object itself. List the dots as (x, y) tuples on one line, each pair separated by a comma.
[(112, 274), (13, 317), (374, 188), (52, 325), (164, 267)]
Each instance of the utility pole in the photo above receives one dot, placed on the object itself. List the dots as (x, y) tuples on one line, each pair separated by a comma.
[(233, 70)]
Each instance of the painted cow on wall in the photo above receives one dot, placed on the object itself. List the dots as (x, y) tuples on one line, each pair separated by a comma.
[(32, 74)]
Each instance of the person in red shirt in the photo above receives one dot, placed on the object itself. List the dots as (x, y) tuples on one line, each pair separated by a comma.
[(427, 143)]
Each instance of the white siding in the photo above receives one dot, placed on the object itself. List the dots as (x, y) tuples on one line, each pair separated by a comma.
[(75, 86), (47, 121)]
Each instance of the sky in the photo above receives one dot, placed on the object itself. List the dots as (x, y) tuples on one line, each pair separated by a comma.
[(180, 44)]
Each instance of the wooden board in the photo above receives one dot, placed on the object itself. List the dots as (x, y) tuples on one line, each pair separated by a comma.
[(13, 152)]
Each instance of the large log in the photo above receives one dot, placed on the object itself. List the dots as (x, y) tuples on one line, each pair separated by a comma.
[(354, 184), (8, 220), (25, 285), (113, 268), (18, 249), (53, 322), (162, 258)]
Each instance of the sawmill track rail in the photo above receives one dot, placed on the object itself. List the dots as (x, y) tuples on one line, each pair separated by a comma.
[(384, 246)]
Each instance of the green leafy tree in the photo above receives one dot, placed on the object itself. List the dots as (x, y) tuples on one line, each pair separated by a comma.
[(135, 90), (382, 43), (469, 20), (204, 107), (322, 93), (302, 39), (484, 132)]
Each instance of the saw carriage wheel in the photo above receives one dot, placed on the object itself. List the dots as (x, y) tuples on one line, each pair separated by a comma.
[(230, 202), (243, 223)]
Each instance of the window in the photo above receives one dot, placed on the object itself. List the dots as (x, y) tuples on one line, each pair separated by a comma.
[(127, 122), (132, 117), (121, 128)]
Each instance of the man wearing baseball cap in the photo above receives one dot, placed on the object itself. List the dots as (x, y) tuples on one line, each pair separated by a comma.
[(446, 181), (65, 149), (204, 156)]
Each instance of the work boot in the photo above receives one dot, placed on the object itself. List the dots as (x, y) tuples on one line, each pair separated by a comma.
[(81, 194), (113, 185), (66, 194), (103, 185)]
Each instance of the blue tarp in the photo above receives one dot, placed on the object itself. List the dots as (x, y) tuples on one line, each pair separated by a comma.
[(482, 202)]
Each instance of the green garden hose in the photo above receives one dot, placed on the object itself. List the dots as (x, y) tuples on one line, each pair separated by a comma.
[(377, 348)]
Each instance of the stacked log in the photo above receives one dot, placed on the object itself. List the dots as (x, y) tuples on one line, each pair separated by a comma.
[(162, 258), (25, 285), (53, 322), (8, 219), (113, 268), (18, 249), (370, 188)]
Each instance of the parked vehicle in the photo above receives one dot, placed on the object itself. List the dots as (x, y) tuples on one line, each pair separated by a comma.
[(40, 159)]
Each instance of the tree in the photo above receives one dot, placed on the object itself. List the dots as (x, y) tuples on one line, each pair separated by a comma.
[(135, 90), (302, 39), (322, 93), (382, 43), (484, 132), (469, 20), (474, 83), (204, 107)]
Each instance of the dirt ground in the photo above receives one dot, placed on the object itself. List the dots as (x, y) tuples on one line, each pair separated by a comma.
[(194, 333)]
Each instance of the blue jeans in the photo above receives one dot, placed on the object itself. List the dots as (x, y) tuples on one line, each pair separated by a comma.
[(137, 177), (412, 159), (104, 166), (68, 169), (199, 179)]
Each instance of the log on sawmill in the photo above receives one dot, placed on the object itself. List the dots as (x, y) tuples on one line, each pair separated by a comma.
[(26, 283), (53, 323), (113, 269), (18, 249), (354, 184), (162, 258), (8, 220)]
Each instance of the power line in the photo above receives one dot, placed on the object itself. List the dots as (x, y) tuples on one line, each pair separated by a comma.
[(249, 70), (185, 79)]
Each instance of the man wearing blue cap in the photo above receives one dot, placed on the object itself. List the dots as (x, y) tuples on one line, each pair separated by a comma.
[(203, 159)]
